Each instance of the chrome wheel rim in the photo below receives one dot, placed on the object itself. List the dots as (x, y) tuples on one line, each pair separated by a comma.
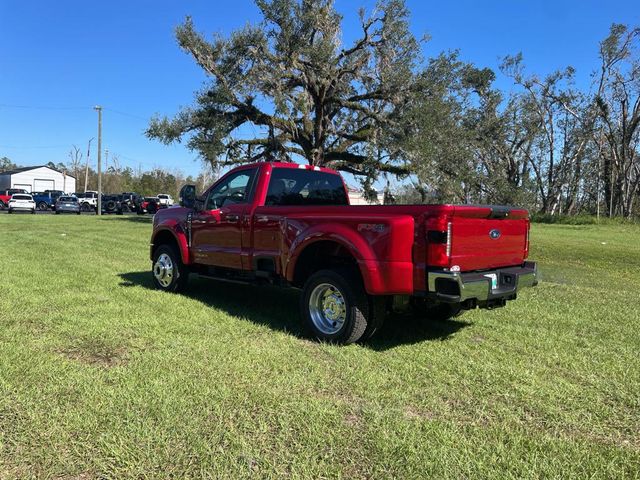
[(163, 270), (327, 308)]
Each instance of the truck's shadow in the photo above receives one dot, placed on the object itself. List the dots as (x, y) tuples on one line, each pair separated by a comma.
[(277, 308)]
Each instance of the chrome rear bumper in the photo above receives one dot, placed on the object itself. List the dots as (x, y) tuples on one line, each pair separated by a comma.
[(476, 288)]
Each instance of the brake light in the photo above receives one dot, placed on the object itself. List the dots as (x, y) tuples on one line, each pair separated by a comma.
[(526, 242), (439, 239)]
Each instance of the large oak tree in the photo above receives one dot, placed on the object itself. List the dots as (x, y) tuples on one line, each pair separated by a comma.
[(288, 88)]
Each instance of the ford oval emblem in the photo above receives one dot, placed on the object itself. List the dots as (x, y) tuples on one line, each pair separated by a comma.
[(494, 234)]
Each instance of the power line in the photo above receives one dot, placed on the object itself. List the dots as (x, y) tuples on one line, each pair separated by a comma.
[(44, 107), (40, 107)]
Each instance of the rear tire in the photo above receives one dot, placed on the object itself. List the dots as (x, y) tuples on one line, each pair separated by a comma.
[(43, 206), (378, 305), (2, 205), (168, 271), (33, 212), (10, 211), (335, 307)]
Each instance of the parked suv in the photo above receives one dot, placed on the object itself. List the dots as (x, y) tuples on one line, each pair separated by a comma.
[(129, 202), (147, 205), (165, 200), (67, 204), (88, 200), (21, 201), (111, 204)]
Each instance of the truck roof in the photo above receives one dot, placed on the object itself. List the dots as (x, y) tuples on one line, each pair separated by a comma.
[(288, 165)]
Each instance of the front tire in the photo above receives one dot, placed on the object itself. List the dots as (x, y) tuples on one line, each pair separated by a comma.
[(2, 205), (168, 271), (335, 307)]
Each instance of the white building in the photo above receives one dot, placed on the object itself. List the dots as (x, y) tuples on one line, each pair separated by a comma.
[(356, 197), (38, 179)]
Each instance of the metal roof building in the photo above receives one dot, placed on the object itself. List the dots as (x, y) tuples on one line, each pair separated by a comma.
[(37, 179)]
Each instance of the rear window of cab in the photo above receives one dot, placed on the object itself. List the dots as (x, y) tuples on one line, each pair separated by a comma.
[(293, 186)]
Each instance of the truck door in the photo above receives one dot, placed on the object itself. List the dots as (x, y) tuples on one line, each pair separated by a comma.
[(217, 229)]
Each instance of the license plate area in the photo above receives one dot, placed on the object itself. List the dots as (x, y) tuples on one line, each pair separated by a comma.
[(493, 278)]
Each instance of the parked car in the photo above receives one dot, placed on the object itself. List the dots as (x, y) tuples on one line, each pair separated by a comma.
[(111, 204), (292, 225), (46, 200), (129, 202), (165, 200), (21, 201), (88, 200), (148, 205), (5, 196), (67, 204)]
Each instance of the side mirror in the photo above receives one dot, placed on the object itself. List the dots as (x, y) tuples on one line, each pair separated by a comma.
[(188, 196)]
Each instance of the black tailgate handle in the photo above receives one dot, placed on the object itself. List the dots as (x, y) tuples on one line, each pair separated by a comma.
[(500, 212)]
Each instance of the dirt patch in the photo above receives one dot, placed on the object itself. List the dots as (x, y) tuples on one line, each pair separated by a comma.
[(352, 420), (80, 476), (97, 359), (96, 352), (412, 413)]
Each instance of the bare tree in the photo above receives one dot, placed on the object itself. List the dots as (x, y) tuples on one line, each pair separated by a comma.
[(617, 107)]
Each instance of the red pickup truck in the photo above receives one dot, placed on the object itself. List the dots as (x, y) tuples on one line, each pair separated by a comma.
[(292, 225)]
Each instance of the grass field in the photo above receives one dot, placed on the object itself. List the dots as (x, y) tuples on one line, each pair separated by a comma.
[(103, 377)]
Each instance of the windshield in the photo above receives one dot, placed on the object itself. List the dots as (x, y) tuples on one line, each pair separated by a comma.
[(21, 197)]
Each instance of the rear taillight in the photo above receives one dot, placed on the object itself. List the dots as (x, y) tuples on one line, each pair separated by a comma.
[(526, 241), (439, 241)]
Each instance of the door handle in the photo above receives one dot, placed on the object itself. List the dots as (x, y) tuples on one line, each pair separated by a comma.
[(262, 219), (232, 218), (198, 221)]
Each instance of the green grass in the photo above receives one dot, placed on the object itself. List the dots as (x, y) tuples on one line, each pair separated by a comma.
[(103, 377)]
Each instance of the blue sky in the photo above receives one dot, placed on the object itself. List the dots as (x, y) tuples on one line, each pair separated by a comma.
[(58, 59)]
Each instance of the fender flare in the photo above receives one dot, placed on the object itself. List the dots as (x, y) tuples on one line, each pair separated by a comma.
[(179, 236), (342, 235)]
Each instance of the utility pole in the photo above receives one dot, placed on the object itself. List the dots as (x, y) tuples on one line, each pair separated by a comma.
[(86, 170), (99, 109)]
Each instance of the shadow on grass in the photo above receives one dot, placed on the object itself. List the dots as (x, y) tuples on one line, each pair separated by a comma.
[(277, 308), (132, 217)]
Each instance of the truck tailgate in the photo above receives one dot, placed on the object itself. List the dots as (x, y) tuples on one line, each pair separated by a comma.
[(488, 237)]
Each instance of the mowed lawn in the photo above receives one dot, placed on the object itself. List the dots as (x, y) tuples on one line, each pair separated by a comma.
[(103, 377)]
